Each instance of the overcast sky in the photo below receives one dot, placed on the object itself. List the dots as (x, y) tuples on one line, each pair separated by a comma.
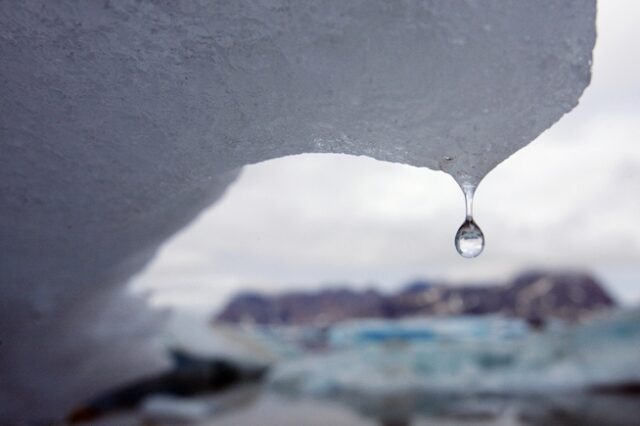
[(569, 199)]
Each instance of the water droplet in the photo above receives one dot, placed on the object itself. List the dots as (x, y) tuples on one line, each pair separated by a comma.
[(469, 239)]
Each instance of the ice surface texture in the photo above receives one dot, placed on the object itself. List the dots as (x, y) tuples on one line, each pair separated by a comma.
[(120, 120)]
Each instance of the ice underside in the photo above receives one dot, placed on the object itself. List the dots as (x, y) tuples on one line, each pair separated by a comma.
[(120, 121)]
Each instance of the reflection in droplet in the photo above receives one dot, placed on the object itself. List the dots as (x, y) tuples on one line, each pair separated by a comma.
[(469, 239)]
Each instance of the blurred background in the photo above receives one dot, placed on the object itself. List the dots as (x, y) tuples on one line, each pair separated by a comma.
[(337, 277)]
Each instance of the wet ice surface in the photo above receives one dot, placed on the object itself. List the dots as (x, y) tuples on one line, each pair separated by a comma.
[(122, 120)]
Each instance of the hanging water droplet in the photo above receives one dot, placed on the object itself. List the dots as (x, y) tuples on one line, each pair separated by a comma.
[(469, 239)]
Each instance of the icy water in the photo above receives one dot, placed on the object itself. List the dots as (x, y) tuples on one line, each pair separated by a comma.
[(471, 371), (266, 408), (469, 239), (413, 411)]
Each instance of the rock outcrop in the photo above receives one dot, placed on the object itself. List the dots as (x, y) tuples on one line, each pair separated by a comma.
[(534, 296)]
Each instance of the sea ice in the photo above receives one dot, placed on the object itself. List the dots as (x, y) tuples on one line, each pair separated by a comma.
[(467, 356)]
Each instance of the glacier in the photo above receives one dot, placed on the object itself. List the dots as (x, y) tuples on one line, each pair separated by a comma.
[(121, 120)]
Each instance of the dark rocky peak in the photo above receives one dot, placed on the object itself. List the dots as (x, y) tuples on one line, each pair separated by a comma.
[(416, 287), (535, 295)]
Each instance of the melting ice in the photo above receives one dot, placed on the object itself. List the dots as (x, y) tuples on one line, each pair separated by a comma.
[(187, 95)]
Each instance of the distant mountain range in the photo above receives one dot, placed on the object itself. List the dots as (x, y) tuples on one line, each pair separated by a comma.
[(534, 296)]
